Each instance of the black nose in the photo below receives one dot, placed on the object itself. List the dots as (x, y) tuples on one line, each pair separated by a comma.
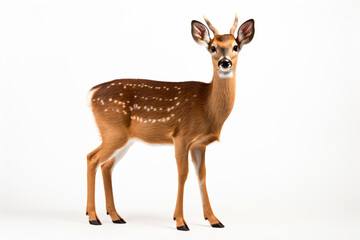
[(224, 63)]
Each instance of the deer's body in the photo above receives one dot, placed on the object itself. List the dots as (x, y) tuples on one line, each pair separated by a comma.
[(189, 115), (157, 112)]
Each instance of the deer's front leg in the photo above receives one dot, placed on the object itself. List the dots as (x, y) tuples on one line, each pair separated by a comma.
[(181, 154), (198, 158)]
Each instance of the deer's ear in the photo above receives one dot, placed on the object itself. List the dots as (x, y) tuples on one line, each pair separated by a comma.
[(246, 32), (200, 33)]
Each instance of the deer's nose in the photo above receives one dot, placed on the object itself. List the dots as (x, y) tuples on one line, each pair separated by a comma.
[(224, 63)]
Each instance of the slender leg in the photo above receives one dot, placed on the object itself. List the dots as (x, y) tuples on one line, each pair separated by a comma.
[(198, 158), (92, 164), (181, 154), (106, 169), (100, 155)]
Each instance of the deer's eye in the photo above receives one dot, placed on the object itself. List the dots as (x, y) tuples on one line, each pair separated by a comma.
[(213, 49), (236, 48)]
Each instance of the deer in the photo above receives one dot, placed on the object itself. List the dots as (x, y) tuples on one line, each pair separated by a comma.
[(189, 115)]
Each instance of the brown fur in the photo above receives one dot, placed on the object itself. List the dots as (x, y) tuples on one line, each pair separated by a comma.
[(189, 115)]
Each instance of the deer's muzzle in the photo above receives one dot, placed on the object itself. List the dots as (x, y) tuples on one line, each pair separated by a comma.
[(225, 64)]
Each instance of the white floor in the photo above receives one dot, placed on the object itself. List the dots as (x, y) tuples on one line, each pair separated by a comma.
[(152, 224)]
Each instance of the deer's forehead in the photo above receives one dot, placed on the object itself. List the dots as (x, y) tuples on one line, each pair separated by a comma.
[(225, 40)]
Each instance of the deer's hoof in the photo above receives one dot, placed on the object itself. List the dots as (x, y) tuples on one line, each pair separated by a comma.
[(95, 222), (120, 221), (218, 225), (183, 228)]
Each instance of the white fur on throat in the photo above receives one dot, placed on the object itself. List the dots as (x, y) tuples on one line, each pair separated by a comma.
[(227, 74)]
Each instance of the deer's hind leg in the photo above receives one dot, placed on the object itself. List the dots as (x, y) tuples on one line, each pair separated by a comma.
[(107, 169), (92, 164), (104, 153)]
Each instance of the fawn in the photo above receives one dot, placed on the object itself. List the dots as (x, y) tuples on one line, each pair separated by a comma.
[(189, 115)]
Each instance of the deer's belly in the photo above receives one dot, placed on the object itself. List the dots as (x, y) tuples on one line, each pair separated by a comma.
[(155, 134)]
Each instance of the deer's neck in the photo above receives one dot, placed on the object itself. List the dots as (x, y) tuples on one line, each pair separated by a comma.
[(221, 97)]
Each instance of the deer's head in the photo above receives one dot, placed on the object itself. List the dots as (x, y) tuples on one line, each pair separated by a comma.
[(224, 48)]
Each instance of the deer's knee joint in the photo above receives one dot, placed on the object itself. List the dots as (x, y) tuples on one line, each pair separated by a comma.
[(92, 162)]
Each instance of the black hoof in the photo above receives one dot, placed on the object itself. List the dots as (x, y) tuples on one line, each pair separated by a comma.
[(95, 222), (121, 221), (218, 225), (183, 228)]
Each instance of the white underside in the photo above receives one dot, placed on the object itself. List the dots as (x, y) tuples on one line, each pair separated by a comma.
[(120, 153)]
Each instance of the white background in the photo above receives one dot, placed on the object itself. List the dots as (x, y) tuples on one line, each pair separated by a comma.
[(287, 166)]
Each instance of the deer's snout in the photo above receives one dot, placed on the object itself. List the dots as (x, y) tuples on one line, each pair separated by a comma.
[(225, 64)]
